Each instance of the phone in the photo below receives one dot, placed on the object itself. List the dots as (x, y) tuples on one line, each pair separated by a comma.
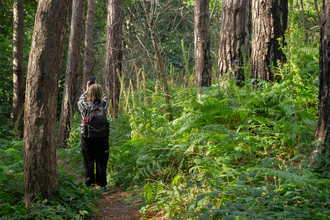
[(92, 80)]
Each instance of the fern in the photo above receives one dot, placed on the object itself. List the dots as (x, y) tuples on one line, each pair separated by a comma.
[(151, 191), (305, 181)]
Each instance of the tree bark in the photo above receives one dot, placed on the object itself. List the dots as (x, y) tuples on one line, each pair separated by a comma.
[(151, 24), (113, 62), (322, 133), (72, 68), (88, 43), (202, 44), (269, 19), (18, 68), (43, 74), (234, 34)]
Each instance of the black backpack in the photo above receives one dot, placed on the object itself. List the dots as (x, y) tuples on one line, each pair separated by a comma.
[(96, 125)]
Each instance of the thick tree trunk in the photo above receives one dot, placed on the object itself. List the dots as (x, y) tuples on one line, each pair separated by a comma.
[(151, 24), (72, 68), (323, 126), (202, 44), (18, 68), (88, 43), (113, 62), (234, 34), (269, 19), (43, 74)]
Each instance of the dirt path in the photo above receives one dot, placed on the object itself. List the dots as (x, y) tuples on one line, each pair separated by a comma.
[(112, 206)]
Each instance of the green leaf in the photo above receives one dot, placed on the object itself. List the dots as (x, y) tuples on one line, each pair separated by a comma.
[(291, 138), (288, 109), (21, 209), (309, 123), (7, 197), (175, 180), (305, 114), (248, 199), (252, 174), (204, 217), (242, 115), (192, 205), (7, 210), (201, 196), (229, 217), (225, 210), (189, 185), (242, 177)]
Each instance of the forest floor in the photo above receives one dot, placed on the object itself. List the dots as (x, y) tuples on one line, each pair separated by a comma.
[(111, 205)]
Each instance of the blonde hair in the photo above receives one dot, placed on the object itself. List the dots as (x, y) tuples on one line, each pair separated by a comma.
[(95, 93)]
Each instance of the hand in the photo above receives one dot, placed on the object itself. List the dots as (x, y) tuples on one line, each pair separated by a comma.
[(88, 85)]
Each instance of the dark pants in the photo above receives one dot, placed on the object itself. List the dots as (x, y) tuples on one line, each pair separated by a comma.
[(94, 149)]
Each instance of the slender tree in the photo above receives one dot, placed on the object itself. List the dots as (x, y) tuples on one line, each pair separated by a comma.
[(323, 126), (114, 55), (43, 74), (18, 69), (72, 68), (234, 35), (269, 19), (88, 43), (317, 12), (202, 44), (304, 20), (151, 23)]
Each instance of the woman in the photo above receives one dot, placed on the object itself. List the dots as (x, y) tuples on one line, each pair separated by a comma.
[(94, 149)]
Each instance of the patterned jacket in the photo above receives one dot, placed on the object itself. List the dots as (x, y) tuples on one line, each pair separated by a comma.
[(83, 106)]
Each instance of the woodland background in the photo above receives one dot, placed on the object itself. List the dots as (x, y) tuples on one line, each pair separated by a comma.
[(240, 149)]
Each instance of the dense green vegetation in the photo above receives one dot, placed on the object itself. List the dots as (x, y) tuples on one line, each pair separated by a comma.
[(74, 202), (231, 153)]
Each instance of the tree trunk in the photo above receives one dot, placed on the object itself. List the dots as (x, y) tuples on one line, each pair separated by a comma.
[(202, 44), (43, 74), (234, 34), (300, 16), (72, 68), (304, 20), (18, 68), (317, 12), (88, 43), (151, 24), (269, 19), (323, 126), (113, 62)]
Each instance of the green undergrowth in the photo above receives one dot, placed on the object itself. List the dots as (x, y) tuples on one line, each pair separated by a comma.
[(230, 153), (75, 201)]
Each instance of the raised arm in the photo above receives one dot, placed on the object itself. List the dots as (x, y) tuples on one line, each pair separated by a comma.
[(105, 102), (82, 103)]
